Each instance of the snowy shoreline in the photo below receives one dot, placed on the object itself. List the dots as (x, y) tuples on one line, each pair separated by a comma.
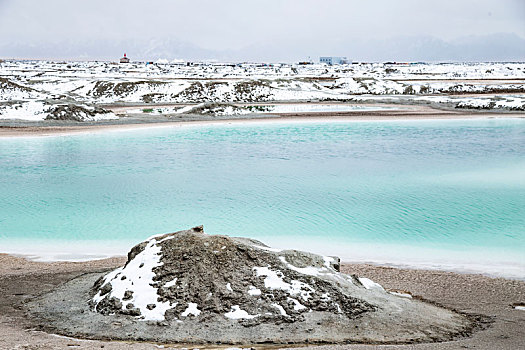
[(15, 128), (504, 265)]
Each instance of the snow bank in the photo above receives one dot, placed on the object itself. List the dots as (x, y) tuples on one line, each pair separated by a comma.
[(40, 110)]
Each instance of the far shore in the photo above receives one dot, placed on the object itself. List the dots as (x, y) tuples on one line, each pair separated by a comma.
[(13, 128), (493, 299)]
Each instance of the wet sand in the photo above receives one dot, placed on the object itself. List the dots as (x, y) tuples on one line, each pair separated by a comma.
[(21, 279), (11, 128)]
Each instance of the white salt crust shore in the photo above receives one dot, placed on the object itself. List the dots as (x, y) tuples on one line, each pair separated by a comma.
[(407, 113), (42, 131), (510, 265)]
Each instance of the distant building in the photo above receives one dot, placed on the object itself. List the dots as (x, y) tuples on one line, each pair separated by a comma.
[(330, 60), (124, 59)]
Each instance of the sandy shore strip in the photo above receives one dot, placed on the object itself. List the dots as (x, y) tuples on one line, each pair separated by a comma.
[(22, 279), (10, 128)]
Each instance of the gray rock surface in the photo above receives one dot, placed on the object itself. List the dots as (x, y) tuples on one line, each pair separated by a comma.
[(191, 287)]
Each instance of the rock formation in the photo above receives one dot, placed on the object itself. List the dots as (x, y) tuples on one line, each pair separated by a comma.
[(74, 112), (197, 288)]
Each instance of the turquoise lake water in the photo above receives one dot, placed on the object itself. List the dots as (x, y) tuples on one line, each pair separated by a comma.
[(447, 194)]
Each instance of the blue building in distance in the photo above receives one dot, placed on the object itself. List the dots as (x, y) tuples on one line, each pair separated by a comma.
[(331, 60)]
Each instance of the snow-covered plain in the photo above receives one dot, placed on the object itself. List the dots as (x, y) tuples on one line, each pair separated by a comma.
[(42, 84)]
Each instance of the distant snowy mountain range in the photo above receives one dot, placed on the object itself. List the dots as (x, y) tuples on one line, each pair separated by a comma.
[(496, 47)]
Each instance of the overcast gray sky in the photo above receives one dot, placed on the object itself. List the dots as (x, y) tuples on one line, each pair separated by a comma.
[(291, 28)]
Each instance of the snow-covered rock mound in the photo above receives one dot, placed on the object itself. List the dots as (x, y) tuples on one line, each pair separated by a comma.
[(193, 287), (42, 110), (78, 113), (186, 273), (11, 91)]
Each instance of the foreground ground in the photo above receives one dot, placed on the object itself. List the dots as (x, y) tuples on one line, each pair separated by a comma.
[(21, 279)]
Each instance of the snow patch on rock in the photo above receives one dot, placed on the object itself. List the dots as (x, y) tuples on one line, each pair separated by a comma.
[(191, 310), (254, 291), (297, 305), (274, 280), (280, 308), (133, 286), (171, 283), (237, 313), (369, 284)]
